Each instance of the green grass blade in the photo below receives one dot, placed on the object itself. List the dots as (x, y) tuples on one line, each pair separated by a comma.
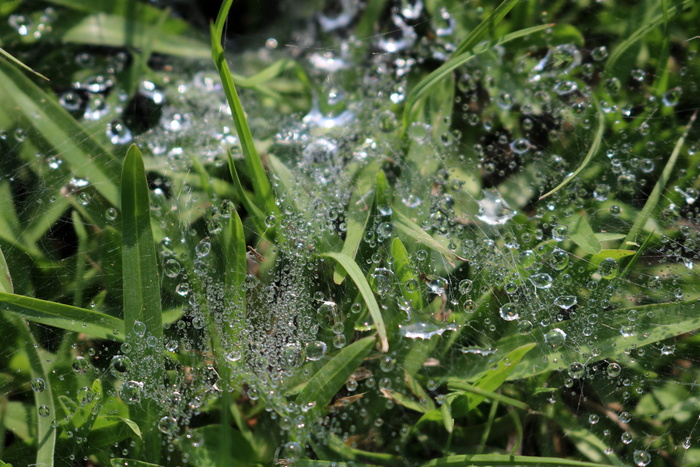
[(118, 31), (5, 277), (358, 214), (485, 27), (141, 280), (491, 380), (56, 128), (254, 211), (61, 316), (19, 63), (592, 151), (332, 376), (581, 233), (46, 434), (413, 231), (423, 88), (505, 459), (647, 27), (360, 281), (261, 184), (405, 274), (658, 190)]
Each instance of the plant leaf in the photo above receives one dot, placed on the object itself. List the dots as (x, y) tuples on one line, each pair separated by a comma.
[(506, 459), (582, 234), (19, 63), (5, 277), (358, 278), (141, 280), (332, 376), (65, 317)]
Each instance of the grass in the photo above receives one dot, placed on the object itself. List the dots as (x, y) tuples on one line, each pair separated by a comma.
[(477, 250)]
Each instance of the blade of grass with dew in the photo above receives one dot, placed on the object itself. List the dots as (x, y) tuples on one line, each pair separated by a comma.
[(254, 211), (656, 322), (285, 182), (592, 151), (405, 274), (338, 446), (413, 231), (62, 316), (457, 60), (117, 31), (491, 380), (404, 400), (581, 233), (5, 277), (506, 459), (19, 63), (141, 279), (360, 281), (86, 157), (46, 433), (332, 376), (261, 184), (659, 187), (358, 213), (647, 27)]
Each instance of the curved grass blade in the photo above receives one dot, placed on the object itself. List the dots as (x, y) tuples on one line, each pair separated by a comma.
[(659, 187), (140, 277), (458, 59), (647, 27), (358, 278), (86, 157), (592, 151), (415, 233), (5, 277), (19, 63), (261, 184), (332, 376), (61, 316), (357, 217), (254, 211), (505, 459)]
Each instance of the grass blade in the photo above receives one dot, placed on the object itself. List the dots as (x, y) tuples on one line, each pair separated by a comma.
[(592, 151), (360, 281), (458, 59), (19, 63), (659, 187), (261, 184), (62, 316), (506, 459), (332, 376), (5, 277), (141, 279), (418, 235), (358, 214), (86, 157)]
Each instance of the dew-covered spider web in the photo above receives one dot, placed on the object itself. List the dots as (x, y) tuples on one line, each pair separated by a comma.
[(526, 231)]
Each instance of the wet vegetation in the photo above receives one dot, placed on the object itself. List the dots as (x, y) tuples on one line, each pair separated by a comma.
[(349, 232)]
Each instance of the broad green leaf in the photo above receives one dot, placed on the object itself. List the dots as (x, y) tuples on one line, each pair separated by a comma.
[(592, 151), (506, 459), (63, 316), (358, 278), (261, 184), (141, 279), (582, 234), (595, 260), (332, 376), (358, 214), (118, 31), (658, 190), (86, 157)]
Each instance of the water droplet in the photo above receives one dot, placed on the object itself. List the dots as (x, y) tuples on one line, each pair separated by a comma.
[(118, 133), (465, 286), (80, 365), (625, 417), (565, 301), (111, 214), (599, 53), (315, 350), (641, 458), (593, 419), (139, 328), (541, 280), (44, 411), (560, 232), (167, 425), (493, 209), (577, 370), (131, 392), (555, 338), (291, 452), (672, 97), (38, 385), (509, 312), (120, 366), (425, 330), (614, 370), (559, 259)]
